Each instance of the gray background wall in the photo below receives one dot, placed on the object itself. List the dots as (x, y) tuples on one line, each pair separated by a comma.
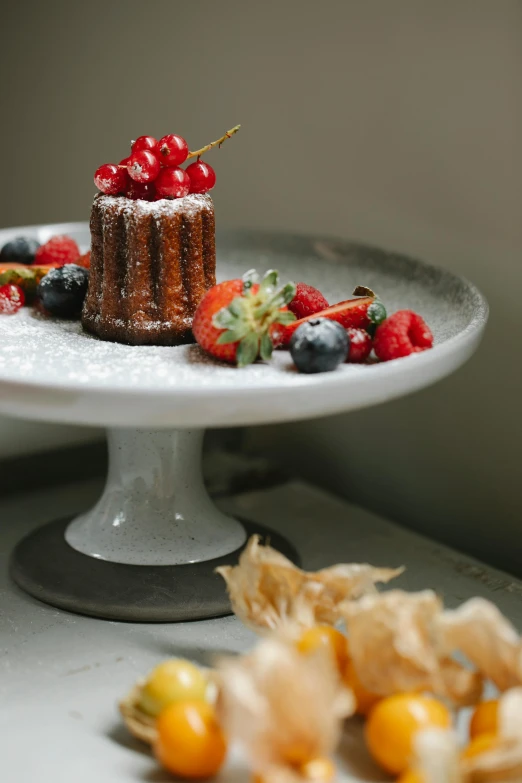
[(392, 121)]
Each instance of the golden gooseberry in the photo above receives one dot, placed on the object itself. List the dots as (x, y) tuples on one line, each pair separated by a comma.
[(190, 742), (484, 719), (412, 776), (171, 681), (479, 745), (328, 637), (393, 723), (364, 699), (321, 770), (318, 770)]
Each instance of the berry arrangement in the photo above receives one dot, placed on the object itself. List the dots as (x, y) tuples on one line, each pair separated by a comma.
[(24, 266), (242, 320), (238, 321), (153, 170), (333, 651)]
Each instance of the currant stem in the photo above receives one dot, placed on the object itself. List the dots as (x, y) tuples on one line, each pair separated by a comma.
[(217, 143)]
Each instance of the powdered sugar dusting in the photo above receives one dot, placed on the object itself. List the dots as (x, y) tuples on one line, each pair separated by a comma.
[(71, 276), (181, 386), (188, 205)]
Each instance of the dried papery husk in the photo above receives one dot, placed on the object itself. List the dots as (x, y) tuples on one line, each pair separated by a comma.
[(437, 756), (321, 770), (503, 762), (393, 646), (268, 591), (439, 761), (489, 641), (285, 709), (140, 724)]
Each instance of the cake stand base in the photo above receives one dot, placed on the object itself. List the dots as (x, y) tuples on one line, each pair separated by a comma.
[(45, 566), (147, 551)]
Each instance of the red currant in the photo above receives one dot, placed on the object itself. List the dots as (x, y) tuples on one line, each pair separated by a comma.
[(110, 179), (12, 298), (146, 191), (202, 177), (172, 182), (173, 150), (144, 143), (143, 166)]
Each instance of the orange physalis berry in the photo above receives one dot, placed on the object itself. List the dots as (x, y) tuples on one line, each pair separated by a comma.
[(484, 719), (393, 723), (327, 637), (190, 741)]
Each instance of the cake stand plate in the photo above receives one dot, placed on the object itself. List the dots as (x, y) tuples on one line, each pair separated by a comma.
[(155, 515)]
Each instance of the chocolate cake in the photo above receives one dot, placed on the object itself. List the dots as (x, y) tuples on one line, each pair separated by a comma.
[(151, 264)]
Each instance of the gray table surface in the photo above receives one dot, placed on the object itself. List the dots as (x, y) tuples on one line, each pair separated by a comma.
[(61, 675)]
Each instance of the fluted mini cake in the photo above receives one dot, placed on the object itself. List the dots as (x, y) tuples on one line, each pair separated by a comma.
[(151, 264)]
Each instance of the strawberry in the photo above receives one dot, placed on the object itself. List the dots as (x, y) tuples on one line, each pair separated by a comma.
[(235, 320), (359, 313)]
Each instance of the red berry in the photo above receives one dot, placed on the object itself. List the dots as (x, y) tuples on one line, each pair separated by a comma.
[(146, 191), (307, 301), (205, 332), (125, 161), (143, 166), (351, 313), (247, 329), (173, 150), (401, 334), (144, 143), (202, 177), (110, 179), (84, 260), (12, 298), (172, 182), (59, 250), (360, 345)]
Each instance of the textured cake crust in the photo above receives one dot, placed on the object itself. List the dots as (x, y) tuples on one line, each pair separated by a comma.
[(151, 264)]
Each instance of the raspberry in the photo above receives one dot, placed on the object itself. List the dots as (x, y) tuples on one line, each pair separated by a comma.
[(59, 250), (399, 335), (307, 301), (360, 345)]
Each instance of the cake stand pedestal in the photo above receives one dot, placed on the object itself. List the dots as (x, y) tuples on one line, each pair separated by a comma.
[(148, 549)]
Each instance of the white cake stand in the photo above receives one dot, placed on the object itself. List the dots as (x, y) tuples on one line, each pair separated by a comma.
[(148, 549)]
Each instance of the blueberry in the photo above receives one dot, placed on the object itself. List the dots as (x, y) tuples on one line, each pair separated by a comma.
[(63, 290), (20, 250), (319, 345)]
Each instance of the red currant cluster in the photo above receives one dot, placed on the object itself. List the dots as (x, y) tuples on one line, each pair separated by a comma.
[(153, 170)]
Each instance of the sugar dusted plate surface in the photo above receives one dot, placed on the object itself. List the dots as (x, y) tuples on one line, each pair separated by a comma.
[(52, 370)]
